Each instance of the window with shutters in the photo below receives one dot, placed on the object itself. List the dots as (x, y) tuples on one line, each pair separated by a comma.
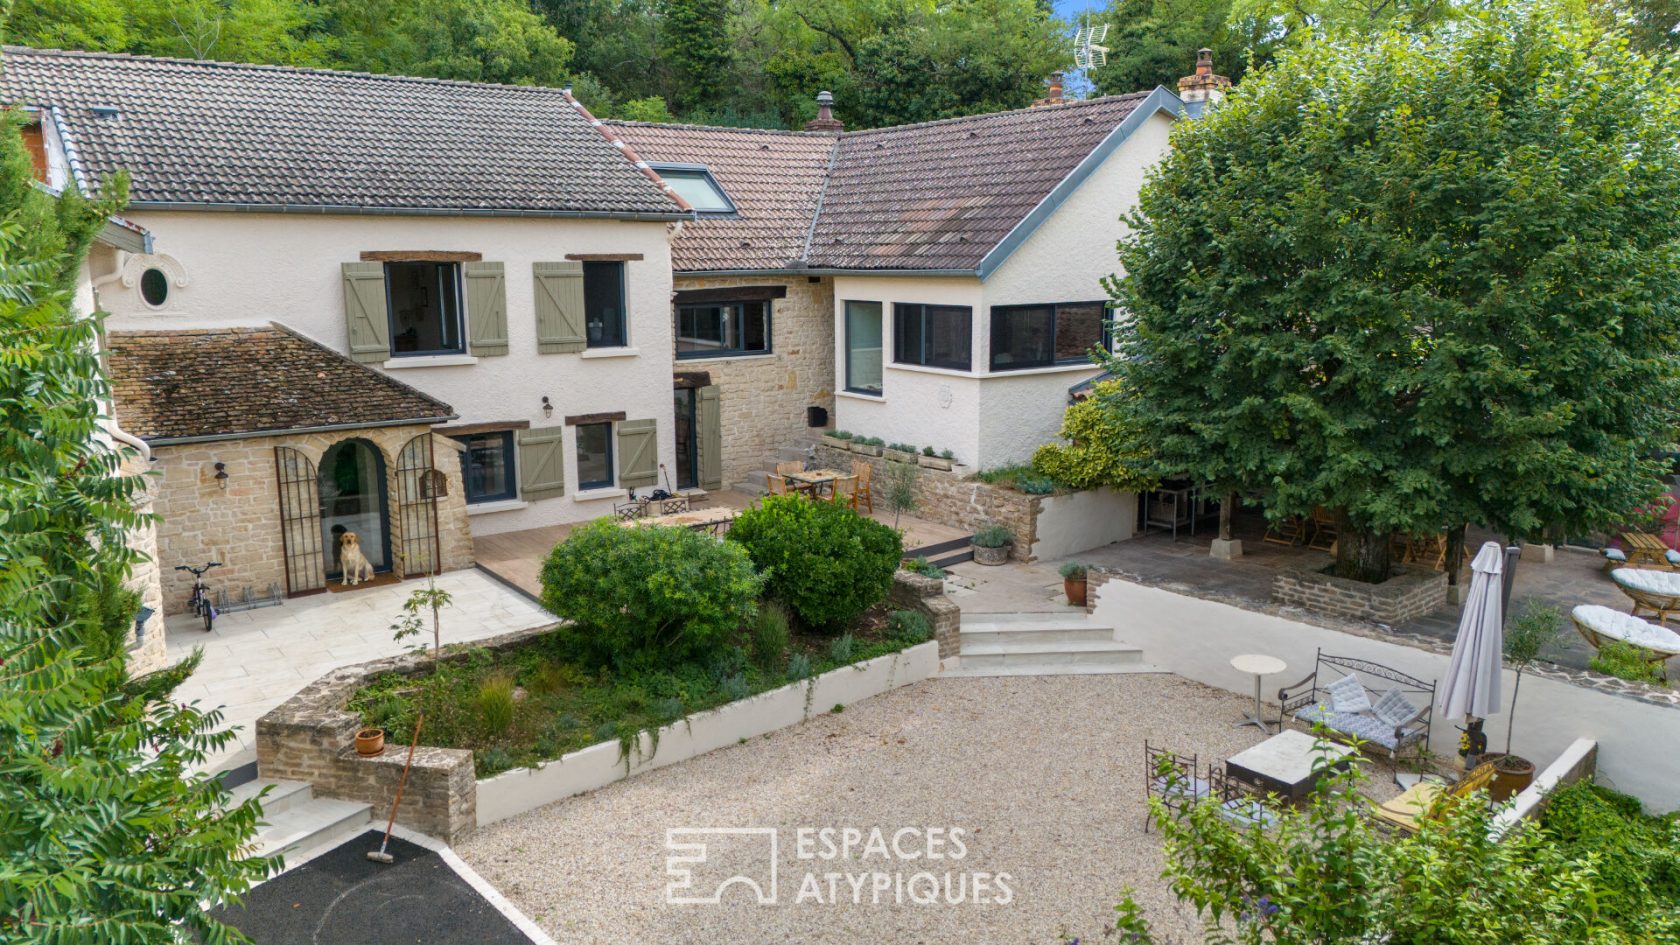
[(595, 455), (603, 305), (487, 466), (424, 302)]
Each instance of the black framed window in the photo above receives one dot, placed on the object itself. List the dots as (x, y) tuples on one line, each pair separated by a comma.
[(864, 345), (603, 305), (595, 456), (933, 335), (487, 466), (424, 302), (1035, 336), (717, 329)]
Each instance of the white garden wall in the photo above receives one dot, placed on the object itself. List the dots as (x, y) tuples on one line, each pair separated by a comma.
[(514, 792), (1079, 521), (1639, 742)]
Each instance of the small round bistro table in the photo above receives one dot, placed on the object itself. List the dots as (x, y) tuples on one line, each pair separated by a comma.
[(1257, 666)]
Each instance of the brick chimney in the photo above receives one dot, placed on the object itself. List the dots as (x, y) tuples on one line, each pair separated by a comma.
[(825, 120), (1204, 88), (1053, 94)]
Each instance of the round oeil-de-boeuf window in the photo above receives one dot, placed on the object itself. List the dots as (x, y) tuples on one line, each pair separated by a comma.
[(154, 287)]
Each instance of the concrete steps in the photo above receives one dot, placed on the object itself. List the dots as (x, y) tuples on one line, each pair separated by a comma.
[(295, 821), (1042, 644)]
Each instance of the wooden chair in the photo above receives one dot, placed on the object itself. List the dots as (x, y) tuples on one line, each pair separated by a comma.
[(774, 484), (846, 492), (674, 505), (1289, 531), (788, 469), (1324, 531), (1427, 800), (629, 511), (1172, 778), (865, 475)]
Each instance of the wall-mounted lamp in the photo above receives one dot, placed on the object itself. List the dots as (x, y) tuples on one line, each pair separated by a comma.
[(548, 408), (222, 476)]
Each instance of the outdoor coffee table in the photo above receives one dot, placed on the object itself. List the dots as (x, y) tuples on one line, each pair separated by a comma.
[(1287, 764), (1258, 666)]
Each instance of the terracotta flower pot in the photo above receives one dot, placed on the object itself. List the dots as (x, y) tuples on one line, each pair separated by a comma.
[(370, 741), (993, 556), (1075, 590), (1511, 774)]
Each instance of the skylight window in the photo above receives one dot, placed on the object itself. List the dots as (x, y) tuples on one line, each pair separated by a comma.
[(695, 184)]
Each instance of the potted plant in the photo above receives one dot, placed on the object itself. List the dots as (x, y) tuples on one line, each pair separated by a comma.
[(839, 439), (932, 460), (901, 453), (1073, 582), (370, 741), (991, 544), (1526, 638), (867, 445)]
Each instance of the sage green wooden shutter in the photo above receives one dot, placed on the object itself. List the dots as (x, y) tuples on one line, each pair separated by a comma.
[(542, 463), (364, 311), (559, 301), (487, 335), (709, 417), (638, 453)]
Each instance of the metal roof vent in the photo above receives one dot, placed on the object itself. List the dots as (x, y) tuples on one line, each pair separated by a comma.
[(105, 111)]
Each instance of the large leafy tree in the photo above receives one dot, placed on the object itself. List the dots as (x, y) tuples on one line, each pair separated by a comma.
[(1418, 283), (106, 833), (1154, 42)]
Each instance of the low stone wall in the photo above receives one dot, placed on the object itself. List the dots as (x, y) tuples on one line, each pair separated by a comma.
[(951, 498), (1408, 594), (311, 737), (927, 596)]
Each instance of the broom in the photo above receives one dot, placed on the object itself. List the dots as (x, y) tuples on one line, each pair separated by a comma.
[(379, 855)]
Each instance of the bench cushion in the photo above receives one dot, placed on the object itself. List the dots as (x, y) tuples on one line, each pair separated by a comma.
[(1365, 726), (1394, 708), (1348, 694)]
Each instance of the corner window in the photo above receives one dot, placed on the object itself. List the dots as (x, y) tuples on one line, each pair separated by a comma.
[(724, 328), (594, 456), (487, 466), (424, 301), (603, 305), (1033, 336), (863, 347), (695, 184), (933, 335)]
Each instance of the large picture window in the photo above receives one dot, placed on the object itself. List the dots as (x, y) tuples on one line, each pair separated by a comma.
[(595, 456), (723, 328), (933, 335), (487, 466), (424, 302), (863, 347), (603, 305), (1035, 336)]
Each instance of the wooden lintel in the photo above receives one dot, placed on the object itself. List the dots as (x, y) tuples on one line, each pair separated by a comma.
[(594, 418), (604, 257), (493, 426), (418, 255)]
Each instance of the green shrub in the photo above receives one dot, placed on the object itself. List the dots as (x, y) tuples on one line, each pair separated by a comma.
[(928, 451), (643, 597), (736, 687), (1625, 661), (1073, 571), (992, 536), (550, 678), (909, 626), (1002, 475), (1033, 483), (871, 441), (902, 447), (798, 667), (770, 635), (925, 568), (840, 651), (827, 563), (495, 703), (840, 434), (668, 709), (1636, 857), (947, 454), (1103, 448)]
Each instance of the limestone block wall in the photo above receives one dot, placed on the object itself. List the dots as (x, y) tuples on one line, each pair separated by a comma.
[(239, 524), (147, 651), (763, 397), (951, 498)]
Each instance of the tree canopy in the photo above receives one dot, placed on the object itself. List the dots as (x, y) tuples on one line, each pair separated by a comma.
[(1419, 283)]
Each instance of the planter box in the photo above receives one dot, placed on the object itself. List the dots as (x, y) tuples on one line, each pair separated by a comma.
[(864, 449), (935, 462), (523, 789), (900, 456), (991, 555), (836, 442)]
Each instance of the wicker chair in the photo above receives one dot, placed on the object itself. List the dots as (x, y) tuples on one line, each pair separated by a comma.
[(865, 475)]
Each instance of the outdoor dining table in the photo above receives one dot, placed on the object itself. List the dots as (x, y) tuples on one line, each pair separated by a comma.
[(1645, 548), (713, 520), (816, 479)]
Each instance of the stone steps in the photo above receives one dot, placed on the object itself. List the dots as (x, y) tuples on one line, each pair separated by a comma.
[(295, 821), (1042, 644)]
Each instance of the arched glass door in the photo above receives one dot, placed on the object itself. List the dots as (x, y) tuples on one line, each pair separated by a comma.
[(353, 498)]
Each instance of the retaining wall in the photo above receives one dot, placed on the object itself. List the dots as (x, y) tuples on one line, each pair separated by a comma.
[(1408, 594)]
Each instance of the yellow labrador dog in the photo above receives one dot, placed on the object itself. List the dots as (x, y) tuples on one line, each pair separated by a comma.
[(350, 556)]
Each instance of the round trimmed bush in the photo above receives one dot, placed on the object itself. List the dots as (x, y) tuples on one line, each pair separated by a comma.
[(827, 563), (642, 597)]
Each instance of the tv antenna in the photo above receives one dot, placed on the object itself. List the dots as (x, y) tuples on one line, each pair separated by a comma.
[(1088, 51)]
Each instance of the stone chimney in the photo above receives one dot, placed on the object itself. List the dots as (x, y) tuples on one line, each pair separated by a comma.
[(1204, 88), (825, 120), (1053, 94)]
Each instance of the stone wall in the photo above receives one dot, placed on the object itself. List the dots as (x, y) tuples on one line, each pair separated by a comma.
[(927, 596), (311, 737), (1409, 593), (239, 524), (763, 397), (951, 498), (147, 651)]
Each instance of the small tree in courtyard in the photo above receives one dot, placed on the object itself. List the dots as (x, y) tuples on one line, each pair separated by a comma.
[(1418, 283)]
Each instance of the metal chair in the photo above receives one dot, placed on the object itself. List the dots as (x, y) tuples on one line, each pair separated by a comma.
[(1172, 778), (1238, 802), (865, 475)]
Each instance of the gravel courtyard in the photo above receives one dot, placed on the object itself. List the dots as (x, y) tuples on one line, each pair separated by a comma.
[(1043, 776)]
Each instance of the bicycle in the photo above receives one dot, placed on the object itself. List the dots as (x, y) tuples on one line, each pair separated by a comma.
[(199, 603)]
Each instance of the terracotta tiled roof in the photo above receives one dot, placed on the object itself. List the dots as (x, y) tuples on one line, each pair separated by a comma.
[(232, 382), (940, 195), (772, 176), (191, 132)]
